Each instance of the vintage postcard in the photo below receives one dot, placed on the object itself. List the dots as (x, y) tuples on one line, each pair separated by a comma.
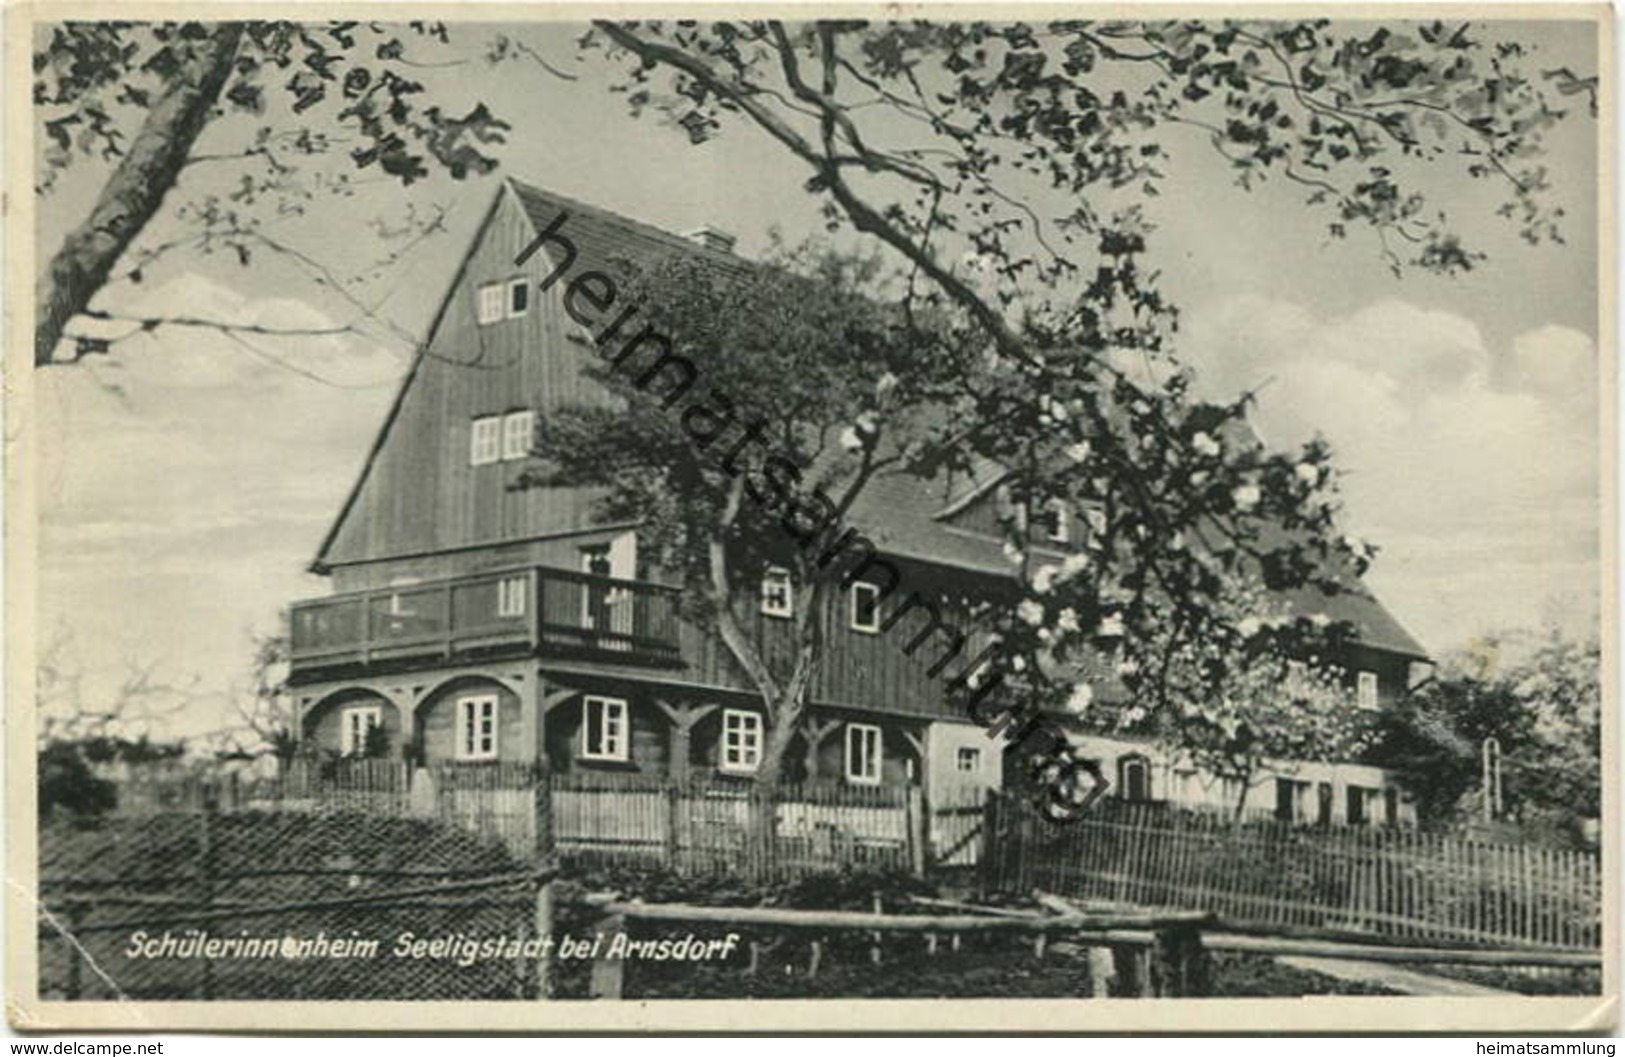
[(544, 518)]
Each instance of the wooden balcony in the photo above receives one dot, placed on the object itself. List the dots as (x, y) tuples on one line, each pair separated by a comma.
[(554, 612)]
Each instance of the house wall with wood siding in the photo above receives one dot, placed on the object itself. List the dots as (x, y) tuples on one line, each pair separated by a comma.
[(437, 726), (324, 725)]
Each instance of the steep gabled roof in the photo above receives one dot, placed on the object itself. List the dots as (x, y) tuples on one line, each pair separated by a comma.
[(903, 514), (602, 236)]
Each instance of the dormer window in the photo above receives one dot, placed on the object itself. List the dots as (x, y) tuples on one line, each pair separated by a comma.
[(1058, 521), (508, 299), (865, 607)]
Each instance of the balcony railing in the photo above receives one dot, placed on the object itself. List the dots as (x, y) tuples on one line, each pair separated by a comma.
[(552, 611)]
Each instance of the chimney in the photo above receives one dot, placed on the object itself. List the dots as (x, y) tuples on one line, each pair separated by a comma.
[(712, 238)]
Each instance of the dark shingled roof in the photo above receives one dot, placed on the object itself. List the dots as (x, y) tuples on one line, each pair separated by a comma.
[(903, 513)]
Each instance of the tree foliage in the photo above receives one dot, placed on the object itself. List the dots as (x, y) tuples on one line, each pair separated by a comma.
[(801, 390), (301, 109), (1000, 161), (1541, 701), (1262, 694)]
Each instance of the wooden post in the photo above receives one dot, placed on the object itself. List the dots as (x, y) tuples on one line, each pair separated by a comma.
[(992, 851), (874, 937), (674, 821), (1130, 963), (917, 816), (1102, 972), (544, 932), (541, 824), (608, 974), (206, 880), (1180, 965)]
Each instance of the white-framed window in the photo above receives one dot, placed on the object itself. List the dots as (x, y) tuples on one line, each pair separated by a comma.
[(967, 759), (511, 594), (518, 297), (1058, 521), (477, 727), (492, 303), (865, 607), (518, 433), (778, 595), (1357, 809), (603, 729), (1365, 690), (355, 724), (862, 754), (1134, 778), (485, 440), (741, 740)]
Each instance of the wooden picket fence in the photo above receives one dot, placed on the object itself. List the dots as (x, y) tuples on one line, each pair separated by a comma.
[(705, 825), (499, 801), (714, 825), (1380, 881)]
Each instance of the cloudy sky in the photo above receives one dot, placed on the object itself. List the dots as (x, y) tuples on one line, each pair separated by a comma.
[(187, 479)]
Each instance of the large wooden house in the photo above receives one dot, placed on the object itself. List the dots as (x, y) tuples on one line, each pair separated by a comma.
[(473, 621)]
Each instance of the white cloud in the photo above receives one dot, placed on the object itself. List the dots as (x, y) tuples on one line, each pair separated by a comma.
[(1473, 468), (179, 510)]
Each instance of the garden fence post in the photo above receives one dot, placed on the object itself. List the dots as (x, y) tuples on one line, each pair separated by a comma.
[(546, 868), (544, 933), (206, 878), (991, 854), (919, 829), (608, 973), (1180, 967), (1102, 971), (674, 823), (1131, 963)]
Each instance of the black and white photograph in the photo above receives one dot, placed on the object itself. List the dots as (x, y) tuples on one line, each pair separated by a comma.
[(533, 514)]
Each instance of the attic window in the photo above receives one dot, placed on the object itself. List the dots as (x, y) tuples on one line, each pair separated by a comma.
[(484, 440), (1058, 521), (508, 299), (1365, 689), (490, 304), (518, 434)]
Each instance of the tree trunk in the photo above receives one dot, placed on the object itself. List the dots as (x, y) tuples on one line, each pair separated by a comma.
[(135, 190), (1241, 800)]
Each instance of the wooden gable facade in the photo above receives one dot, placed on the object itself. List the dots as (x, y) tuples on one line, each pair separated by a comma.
[(421, 508)]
